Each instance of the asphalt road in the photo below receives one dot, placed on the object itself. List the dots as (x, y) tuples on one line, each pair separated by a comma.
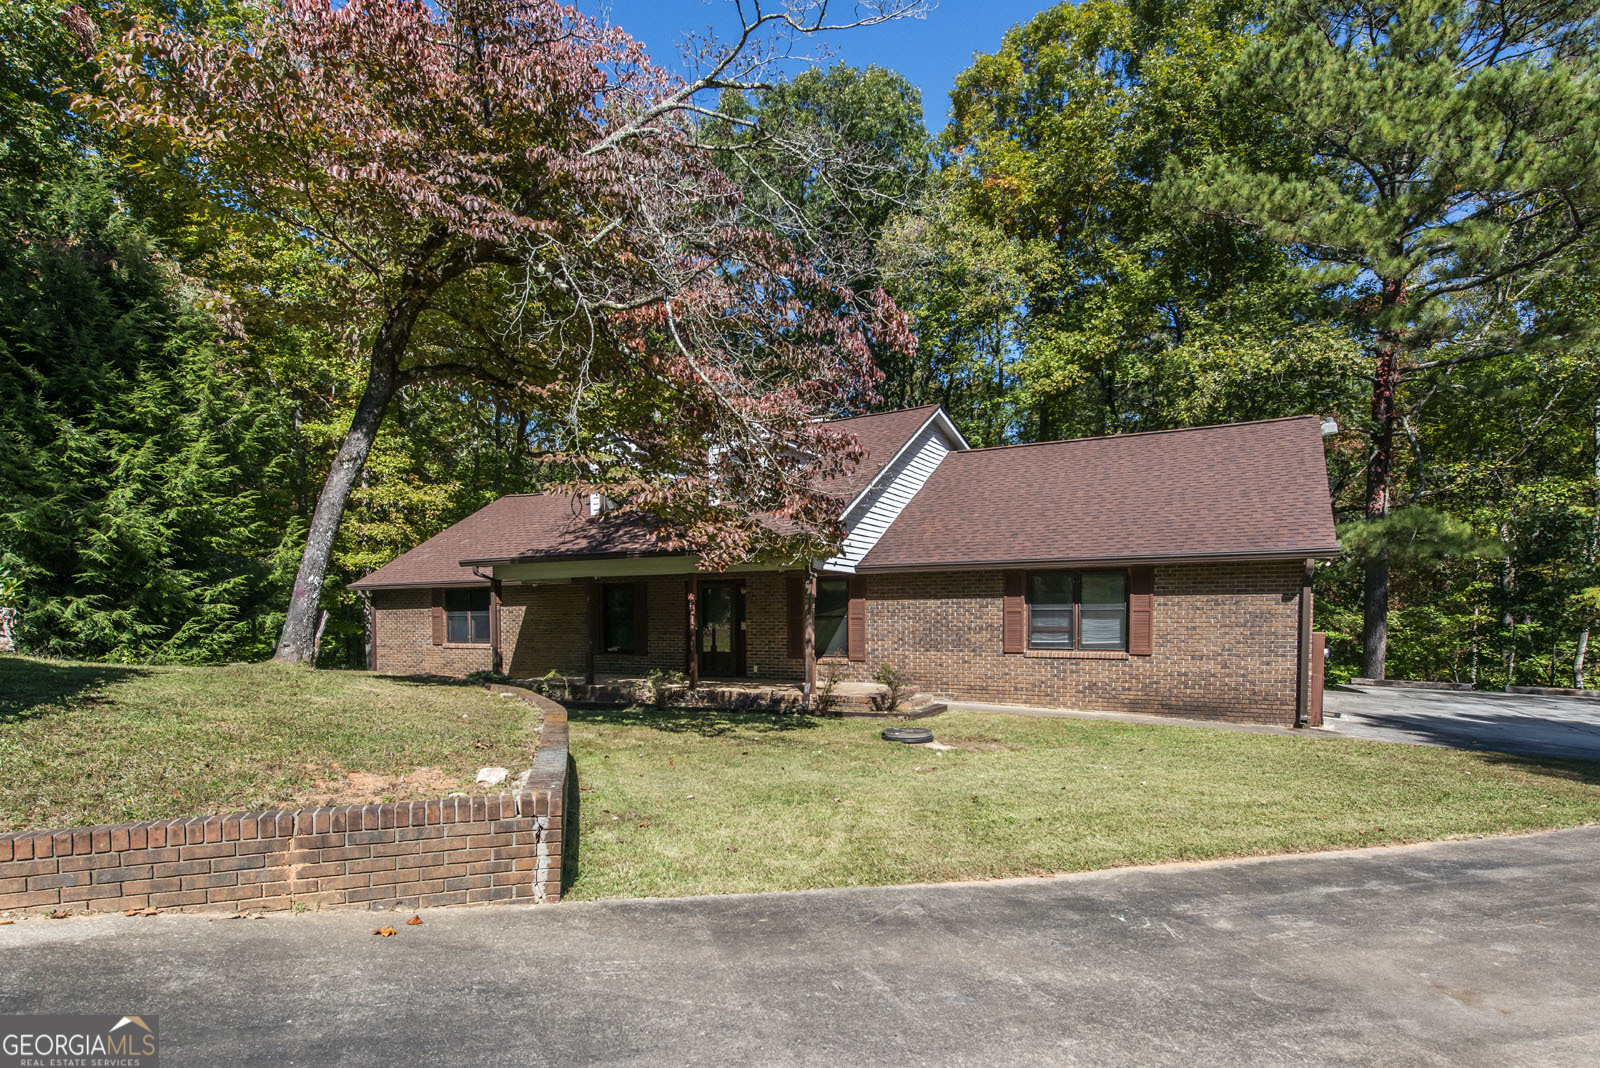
[(1500, 722), (1469, 953)]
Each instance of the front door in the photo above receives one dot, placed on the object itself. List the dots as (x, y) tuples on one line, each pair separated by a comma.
[(720, 630)]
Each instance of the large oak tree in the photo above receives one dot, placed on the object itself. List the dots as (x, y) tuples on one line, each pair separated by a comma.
[(511, 192)]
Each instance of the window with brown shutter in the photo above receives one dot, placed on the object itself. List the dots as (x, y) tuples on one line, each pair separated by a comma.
[(1064, 611), (1014, 627), (796, 585), (831, 617), (623, 618), (1141, 609), (438, 617), (468, 616), (857, 637)]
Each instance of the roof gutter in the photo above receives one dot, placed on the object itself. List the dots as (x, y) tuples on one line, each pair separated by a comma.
[(1322, 553), (545, 558), (362, 586)]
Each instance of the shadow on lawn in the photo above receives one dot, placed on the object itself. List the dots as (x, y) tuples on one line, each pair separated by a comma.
[(1586, 772), (431, 680), (31, 688), (706, 722)]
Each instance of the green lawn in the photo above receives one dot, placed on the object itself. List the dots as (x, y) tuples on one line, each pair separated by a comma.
[(701, 802), (692, 803), (91, 743)]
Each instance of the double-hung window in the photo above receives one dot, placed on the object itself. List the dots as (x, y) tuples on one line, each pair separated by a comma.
[(833, 617), (466, 617), (1078, 610), (616, 624)]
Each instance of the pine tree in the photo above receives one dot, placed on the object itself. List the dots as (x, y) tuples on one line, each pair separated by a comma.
[(137, 507), (1442, 158)]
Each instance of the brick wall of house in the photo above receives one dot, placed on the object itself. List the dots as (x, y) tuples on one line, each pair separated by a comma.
[(1224, 644), (410, 854), (404, 638)]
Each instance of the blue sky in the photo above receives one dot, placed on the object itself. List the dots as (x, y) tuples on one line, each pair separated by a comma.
[(930, 52)]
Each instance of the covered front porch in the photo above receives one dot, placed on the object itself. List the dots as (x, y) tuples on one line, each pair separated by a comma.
[(597, 622)]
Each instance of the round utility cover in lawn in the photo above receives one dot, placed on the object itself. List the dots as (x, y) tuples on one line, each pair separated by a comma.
[(908, 735)]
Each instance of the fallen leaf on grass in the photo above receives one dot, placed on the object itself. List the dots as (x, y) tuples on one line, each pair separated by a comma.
[(413, 921), (386, 931)]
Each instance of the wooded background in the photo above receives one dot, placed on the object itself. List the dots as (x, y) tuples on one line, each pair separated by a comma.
[(1142, 215)]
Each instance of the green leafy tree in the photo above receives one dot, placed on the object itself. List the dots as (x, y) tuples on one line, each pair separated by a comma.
[(519, 175), (1434, 160), (1130, 315), (828, 159)]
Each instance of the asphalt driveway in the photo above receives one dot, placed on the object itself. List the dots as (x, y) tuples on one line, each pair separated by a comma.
[(1468, 953), (1505, 723)]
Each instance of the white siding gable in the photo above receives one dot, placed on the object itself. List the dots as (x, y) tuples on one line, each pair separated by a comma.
[(883, 501)]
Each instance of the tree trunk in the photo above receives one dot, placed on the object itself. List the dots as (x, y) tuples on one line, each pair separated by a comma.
[(298, 642), (1380, 467), (1375, 620), (1476, 610), (1594, 549)]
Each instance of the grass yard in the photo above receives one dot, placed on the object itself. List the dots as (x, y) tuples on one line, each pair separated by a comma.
[(696, 803), (91, 743)]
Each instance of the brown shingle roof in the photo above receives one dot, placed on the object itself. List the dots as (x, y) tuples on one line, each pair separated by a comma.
[(545, 524), (881, 435), (1244, 489)]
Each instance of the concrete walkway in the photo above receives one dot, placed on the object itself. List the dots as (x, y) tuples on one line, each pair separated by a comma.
[(1467, 953), (1532, 724), (1122, 717)]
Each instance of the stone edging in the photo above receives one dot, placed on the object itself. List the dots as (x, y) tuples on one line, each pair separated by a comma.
[(1412, 684), (1553, 691), (405, 854)]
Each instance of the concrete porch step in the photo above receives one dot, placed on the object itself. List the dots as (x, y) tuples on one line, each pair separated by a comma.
[(917, 706)]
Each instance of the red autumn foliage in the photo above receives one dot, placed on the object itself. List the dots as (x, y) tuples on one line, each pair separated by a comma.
[(512, 193)]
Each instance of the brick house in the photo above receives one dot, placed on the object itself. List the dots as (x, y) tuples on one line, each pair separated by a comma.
[(1164, 572)]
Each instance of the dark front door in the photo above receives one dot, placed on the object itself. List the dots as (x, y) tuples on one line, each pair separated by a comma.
[(721, 630)]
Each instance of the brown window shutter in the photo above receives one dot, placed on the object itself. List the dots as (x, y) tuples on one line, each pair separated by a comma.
[(857, 627), (1014, 636), (641, 618), (1141, 609), (797, 616), (438, 617)]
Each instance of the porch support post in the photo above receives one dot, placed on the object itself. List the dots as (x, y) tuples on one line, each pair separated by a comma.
[(591, 618), (810, 631), (496, 662), (691, 587)]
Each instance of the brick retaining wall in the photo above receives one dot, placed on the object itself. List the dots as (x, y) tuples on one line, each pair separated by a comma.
[(407, 854)]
